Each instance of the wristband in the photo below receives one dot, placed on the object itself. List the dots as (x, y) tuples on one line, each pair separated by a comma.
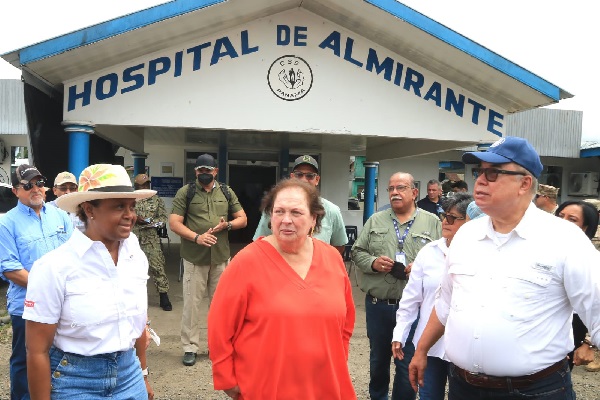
[(585, 341), (229, 226), (196, 238), (145, 372)]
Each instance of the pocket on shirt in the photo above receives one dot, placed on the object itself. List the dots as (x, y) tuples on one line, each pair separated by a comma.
[(377, 241), (462, 280), (527, 288), (90, 302), (421, 238), (136, 296)]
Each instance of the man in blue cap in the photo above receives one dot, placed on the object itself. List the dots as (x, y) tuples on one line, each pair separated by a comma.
[(514, 278)]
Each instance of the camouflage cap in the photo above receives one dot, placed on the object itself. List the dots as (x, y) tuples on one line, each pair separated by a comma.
[(140, 179), (548, 191), (594, 202)]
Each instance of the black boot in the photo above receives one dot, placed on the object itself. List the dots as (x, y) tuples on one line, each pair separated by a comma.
[(165, 304)]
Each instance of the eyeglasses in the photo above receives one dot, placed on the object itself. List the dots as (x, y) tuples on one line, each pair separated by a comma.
[(65, 188), (450, 218), (399, 188), (491, 174), (28, 186), (309, 175)]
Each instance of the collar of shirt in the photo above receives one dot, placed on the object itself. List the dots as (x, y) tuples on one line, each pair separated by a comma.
[(81, 244), (526, 228), (393, 215), (441, 244), (28, 210), (214, 185)]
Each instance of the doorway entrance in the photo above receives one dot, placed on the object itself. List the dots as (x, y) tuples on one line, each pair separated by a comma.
[(250, 182)]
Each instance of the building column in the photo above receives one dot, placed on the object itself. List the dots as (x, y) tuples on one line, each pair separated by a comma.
[(370, 175), (79, 144), (139, 163)]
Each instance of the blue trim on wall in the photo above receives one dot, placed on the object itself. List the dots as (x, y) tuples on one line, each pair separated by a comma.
[(111, 28), (467, 46), (587, 153)]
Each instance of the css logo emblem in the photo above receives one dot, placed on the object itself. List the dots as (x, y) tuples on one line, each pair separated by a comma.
[(290, 78)]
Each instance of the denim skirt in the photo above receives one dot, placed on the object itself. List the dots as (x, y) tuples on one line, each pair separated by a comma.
[(115, 375)]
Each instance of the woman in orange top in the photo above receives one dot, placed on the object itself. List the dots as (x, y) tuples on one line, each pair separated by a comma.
[(281, 318)]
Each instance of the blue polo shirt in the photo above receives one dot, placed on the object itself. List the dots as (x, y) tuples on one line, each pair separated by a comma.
[(25, 237)]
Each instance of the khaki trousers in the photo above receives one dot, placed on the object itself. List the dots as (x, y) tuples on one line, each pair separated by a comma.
[(196, 279)]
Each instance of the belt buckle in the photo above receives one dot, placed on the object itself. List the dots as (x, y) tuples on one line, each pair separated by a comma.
[(373, 300), (474, 378), (392, 302)]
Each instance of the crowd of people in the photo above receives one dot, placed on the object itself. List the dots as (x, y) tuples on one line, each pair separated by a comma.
[(494, 294)]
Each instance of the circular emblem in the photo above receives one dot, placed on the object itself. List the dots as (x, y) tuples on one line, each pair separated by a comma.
[(290, 78)]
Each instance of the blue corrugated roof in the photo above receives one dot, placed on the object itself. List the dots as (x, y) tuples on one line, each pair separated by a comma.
[(467, 46), (175, 8)]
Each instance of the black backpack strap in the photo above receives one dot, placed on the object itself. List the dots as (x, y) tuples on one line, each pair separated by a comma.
[(226, 193), (188, 199)]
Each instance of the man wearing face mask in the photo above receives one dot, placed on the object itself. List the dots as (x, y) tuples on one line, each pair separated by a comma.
[(203, 226)]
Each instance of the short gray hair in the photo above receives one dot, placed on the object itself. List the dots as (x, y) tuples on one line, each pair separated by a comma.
[(460, 201)]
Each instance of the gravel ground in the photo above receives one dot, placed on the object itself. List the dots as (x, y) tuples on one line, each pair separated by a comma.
[(173, 381)]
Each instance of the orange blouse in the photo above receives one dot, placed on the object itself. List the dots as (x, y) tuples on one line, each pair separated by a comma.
[(277, 336)]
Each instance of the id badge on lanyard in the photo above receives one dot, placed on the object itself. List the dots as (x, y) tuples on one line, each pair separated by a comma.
[(401, 257)]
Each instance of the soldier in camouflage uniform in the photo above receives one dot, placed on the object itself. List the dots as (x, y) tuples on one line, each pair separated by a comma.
[(152, 210)]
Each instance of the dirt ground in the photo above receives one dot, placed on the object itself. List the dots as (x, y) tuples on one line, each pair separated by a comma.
[(173, 381)]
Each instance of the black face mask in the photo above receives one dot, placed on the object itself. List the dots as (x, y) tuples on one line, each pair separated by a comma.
[(205, 179)]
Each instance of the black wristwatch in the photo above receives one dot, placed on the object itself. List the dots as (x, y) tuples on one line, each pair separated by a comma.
[(229, 226)]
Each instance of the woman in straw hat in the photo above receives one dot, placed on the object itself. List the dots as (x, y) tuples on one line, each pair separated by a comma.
[(86, 302)]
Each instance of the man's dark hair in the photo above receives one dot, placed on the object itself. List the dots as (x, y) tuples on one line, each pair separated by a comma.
[(460, 185)]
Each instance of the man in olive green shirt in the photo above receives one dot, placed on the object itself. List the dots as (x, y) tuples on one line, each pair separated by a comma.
[(395, 234), (333, 230), (204, 245)]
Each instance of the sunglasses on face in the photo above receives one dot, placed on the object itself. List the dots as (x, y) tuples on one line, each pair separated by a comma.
[(450, 218), (308, 175), (64, 188), (28, 186), (491, 174)]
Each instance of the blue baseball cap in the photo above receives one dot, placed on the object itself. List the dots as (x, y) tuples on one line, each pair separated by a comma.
[(506, 150)]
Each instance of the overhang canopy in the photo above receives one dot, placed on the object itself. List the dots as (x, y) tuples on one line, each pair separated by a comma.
[(387, 23)]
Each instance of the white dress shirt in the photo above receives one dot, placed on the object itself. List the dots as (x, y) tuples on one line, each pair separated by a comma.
[(99, 307), (507, 307), (419, 295)]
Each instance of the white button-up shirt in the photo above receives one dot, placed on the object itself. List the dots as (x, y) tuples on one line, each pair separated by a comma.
[(99, 307), (419, 294), (507, 306)]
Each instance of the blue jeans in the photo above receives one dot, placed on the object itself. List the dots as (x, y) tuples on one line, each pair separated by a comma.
[(117, 376), (556, 386), (18, 361), (434, 381), (381, 320)]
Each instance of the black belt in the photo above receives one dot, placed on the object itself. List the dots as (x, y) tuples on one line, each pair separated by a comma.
[(515, 382), (375, 300)]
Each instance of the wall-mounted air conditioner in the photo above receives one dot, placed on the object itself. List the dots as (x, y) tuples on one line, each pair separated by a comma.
[(583, 183)]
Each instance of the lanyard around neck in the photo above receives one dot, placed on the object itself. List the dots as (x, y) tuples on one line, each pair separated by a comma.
[(397, 228)]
